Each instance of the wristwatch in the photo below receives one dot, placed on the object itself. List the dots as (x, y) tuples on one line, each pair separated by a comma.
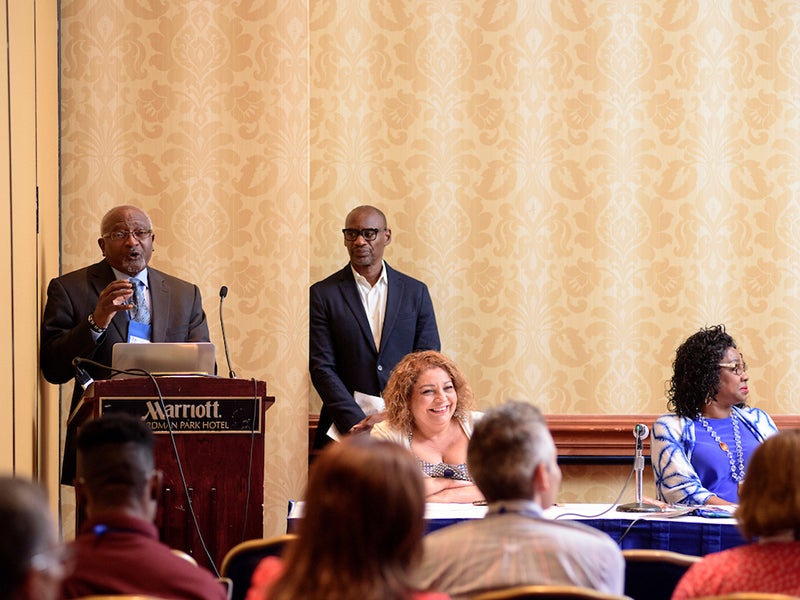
[(94, 326)]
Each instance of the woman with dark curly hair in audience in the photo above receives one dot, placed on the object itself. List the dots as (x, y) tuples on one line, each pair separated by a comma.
[(768, 515), (700, 452), (361, 532), (429, 411)]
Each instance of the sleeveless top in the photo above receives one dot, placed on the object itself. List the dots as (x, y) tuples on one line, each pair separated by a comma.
[(442, 469)]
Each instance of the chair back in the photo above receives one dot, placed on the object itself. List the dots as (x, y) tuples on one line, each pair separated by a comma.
[(653, 574), (547, 592), (185, 556), (241, 560), (750, 596), (228, 585), (119, 597)]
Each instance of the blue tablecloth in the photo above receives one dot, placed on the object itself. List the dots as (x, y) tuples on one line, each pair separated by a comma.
[(686, 537), (684, 534)]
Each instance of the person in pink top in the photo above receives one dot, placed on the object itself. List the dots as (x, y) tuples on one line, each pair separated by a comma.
[(769, 515), (361, 533)]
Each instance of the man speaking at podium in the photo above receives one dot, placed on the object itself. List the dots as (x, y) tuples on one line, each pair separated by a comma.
[(91, 309)]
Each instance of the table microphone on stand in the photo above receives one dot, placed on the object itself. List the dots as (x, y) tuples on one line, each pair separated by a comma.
[(640, 432)]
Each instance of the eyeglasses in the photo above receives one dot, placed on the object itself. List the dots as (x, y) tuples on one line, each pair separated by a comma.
[(738, 368), (351, 235), (140, 234)]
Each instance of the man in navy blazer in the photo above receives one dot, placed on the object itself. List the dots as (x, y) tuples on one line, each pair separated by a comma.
[(90, 310), (364, 319)]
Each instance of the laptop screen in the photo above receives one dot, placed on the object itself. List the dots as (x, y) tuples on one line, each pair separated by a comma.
[(164, 358)]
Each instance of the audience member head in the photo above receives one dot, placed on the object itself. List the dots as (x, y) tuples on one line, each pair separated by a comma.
[(696, 370), (769, 500), (33, 561), (115, 466), (400, 389), (126, 239), (512, 456), (362, 528)]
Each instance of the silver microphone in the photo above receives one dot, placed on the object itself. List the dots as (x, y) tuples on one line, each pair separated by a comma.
[(640, 432)]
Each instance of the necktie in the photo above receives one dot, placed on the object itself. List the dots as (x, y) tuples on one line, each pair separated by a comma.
[(141, 311)]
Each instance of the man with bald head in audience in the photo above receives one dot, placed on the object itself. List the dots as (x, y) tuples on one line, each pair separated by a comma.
[(32, 561), (513, 461), (117, 550)]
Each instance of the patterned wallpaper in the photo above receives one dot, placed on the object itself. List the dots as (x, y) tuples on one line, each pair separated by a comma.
[(581, 184), (197, 111)]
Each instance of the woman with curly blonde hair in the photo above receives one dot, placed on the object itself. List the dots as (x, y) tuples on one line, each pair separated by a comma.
[(429, 411)]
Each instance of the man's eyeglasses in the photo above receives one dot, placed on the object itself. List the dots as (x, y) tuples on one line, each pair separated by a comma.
[(351, 235), (738, 368), (140, 234)]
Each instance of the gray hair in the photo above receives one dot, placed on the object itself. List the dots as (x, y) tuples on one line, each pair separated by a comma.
[(507, 445)]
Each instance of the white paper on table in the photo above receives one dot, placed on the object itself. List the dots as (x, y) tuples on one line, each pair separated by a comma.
[(371, 405)]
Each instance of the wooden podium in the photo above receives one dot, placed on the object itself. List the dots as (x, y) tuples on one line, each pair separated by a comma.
[(210, 441)]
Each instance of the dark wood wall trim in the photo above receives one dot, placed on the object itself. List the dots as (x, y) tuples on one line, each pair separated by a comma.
[(612, 435), (595, 436)]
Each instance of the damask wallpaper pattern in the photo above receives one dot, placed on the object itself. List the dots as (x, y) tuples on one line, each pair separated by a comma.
[(198, 112), (581, 184)]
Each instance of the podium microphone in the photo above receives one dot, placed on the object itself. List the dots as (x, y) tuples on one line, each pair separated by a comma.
[(223, 291), (640, 432), (81, 374)]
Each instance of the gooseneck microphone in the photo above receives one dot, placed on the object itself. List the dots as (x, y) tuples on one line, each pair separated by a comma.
[(81, 374), (223, 291), (640, 432)]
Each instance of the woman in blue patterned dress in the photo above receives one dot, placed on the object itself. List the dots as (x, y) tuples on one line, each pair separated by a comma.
[(700, 451)]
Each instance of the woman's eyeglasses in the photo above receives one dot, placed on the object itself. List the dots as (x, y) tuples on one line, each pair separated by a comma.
[(738, 368)]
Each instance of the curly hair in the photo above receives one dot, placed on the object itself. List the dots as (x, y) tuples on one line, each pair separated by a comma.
[(769, 502), (695, 372), (400, 386)]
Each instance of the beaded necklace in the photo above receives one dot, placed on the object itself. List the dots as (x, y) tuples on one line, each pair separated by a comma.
[(738, 475)]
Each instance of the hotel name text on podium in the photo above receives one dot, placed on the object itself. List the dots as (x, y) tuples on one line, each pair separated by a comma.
[(212, 430)]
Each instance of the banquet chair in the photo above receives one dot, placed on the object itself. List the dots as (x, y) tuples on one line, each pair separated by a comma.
[(749, 596), (119, 597), (226, 582), (241, 560), (653, 574), (185, 556), (546, 592)]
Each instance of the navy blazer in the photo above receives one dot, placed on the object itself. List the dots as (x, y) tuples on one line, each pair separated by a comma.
[(177, 316), (342, 353)]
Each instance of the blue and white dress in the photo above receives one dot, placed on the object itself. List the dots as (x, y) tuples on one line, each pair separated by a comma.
[(672, 451)]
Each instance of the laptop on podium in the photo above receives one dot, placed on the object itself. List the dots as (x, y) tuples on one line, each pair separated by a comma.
[(164, 358)]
